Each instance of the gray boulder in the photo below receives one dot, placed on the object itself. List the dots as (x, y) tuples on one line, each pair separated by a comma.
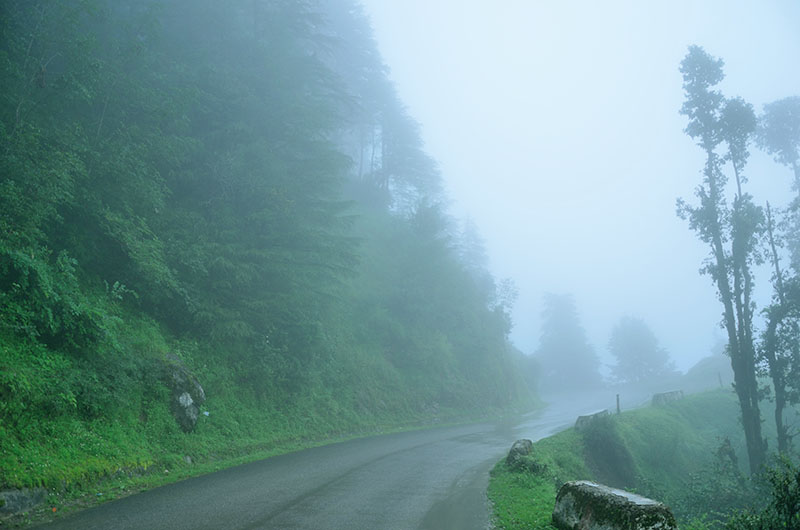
[(187, 393), (584, 505), (17, 501), (520, 448)]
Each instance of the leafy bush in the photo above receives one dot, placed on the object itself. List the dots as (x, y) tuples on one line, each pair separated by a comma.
[(714, 492), (783, 509), (33, 385), (42, 299)]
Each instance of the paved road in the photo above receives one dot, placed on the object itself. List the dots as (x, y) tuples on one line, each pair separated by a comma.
[(428, 480)]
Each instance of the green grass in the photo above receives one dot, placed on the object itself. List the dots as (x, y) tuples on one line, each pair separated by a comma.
[(672, 452), (101, 486), (88, 465), (524, 500), (91, 435), (670, 443), (521, 500)]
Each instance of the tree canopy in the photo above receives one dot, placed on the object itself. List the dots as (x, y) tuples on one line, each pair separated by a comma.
[(640, 359), (239, 182), (567, 360)]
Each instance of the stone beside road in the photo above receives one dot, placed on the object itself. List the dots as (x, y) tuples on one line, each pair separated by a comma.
[(17, 501), (520, 448), (585, 505)]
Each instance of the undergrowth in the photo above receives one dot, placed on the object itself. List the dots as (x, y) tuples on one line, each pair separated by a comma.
[(684, 454), (88, 434)]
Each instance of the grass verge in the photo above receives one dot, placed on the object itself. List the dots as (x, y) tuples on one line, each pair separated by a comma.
[(106, 477), (687, 454)]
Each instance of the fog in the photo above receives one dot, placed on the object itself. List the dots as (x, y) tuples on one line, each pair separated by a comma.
[(557, 130)]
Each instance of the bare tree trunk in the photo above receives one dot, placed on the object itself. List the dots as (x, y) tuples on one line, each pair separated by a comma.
[(777, 376)]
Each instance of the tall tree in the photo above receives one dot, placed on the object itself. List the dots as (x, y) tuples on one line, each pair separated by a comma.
[(780, 342), (779, 135), (640, 359), (567, 360), (722, 129)]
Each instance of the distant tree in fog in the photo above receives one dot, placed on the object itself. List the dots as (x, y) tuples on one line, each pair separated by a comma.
[(779, 133), (471, 251), (567, 360), (637, 352)]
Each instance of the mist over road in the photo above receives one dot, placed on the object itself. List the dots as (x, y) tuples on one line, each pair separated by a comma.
[(433, 479)]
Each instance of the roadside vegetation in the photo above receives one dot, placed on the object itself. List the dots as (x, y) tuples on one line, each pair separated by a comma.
[(237, 187), (700, 456), (685, 454)]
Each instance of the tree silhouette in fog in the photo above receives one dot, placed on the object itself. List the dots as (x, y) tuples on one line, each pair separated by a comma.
[(568, 362), (640, 359)]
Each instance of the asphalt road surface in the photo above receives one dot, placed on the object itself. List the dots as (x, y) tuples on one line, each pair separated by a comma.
[(429, 480)]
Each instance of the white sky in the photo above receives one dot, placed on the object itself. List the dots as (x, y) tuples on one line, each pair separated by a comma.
[(557, 130)]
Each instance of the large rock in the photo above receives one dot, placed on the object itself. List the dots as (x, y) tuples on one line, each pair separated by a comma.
[(519, 449), (17, 501), (584, 505), (187, 393)]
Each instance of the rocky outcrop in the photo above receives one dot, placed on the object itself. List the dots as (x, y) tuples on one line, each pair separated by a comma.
[(17, 501), (584, 421), (187, 393), (667, 397), (518, 450), (584, 505)]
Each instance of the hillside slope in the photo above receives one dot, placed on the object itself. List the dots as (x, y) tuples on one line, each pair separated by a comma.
[(227, 196)]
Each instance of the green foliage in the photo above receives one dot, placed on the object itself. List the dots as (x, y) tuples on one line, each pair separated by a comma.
[(523, 496), (779, 132), (723, 128), (716, 491), (684, 454), (201, 189), (40, 298), (639, 357), (32, 385), (783, 510)]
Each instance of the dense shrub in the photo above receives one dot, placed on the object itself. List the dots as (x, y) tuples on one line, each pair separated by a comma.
[(783, 508)]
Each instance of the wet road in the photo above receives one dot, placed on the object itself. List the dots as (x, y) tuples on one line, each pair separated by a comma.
[(429, 480)]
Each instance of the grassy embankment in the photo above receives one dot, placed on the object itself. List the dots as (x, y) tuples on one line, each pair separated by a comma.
[(133, 442), (679, 454)]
